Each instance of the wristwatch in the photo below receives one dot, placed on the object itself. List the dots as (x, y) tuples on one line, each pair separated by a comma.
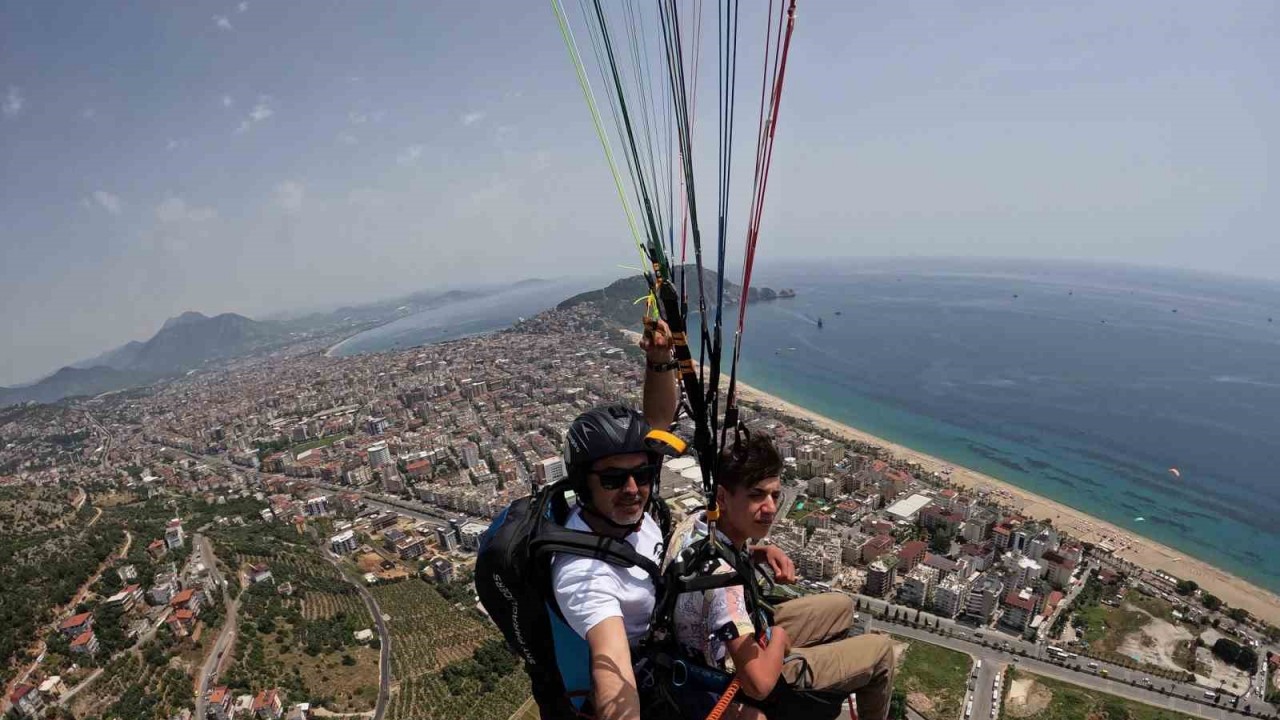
[(663, 366)]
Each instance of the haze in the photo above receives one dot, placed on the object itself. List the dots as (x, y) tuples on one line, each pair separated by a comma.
[(255, 157)]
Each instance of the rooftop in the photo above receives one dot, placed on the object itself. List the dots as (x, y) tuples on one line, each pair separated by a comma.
[(909, 507)]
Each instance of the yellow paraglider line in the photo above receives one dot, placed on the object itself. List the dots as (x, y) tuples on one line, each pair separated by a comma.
[(585, 82)]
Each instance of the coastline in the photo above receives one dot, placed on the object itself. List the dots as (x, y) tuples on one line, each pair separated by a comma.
[(1131, 547)]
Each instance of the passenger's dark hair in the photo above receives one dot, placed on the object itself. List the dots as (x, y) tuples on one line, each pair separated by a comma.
[(750, 459)]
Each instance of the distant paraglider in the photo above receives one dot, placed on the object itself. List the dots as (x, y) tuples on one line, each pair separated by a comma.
[(1175, 472)]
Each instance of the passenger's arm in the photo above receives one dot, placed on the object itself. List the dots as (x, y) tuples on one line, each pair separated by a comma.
[(759, 668), (613, 681)]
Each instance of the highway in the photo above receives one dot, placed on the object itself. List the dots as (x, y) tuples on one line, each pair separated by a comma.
[(1186, 699)]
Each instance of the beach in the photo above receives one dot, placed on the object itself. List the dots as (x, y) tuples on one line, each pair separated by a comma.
[(1136, 549)]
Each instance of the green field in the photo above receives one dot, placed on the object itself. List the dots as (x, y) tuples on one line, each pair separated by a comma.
[(1047, 699), (934, 679), (1105, 627)]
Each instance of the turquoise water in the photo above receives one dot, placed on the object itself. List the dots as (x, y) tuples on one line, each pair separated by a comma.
[(1085, 388)]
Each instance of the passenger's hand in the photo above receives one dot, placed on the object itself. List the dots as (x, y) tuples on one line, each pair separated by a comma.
[(656, 340), (784, 571)]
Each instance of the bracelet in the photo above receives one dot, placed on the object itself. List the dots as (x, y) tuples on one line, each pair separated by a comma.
[(667, 366)]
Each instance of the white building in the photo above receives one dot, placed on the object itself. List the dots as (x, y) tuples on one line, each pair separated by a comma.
[(471, 533), (550, 470), (918, 587), (318, 506), (949, 597), (173, 535), (823, 487), (908, 509), (983, 599), (379, 455), (343, 543)]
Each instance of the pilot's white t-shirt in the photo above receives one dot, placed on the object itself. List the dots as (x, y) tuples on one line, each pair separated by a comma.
[(590, 590)]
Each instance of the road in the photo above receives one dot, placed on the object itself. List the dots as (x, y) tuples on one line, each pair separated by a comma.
[(988, 636), (226, 639), (384, 636), (106, 450), (981, 686), (417, 510), (1115, 684), (84, 684)]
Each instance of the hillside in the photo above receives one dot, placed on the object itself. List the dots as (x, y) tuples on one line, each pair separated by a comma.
[(69, 382), (618, 301)]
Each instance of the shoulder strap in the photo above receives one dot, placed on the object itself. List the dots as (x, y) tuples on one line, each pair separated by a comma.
[(552, 538)]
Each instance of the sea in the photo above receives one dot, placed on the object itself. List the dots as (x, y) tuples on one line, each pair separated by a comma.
[(1149, 398), (495, 309)]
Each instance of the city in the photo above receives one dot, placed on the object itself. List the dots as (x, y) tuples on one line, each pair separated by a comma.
[(323, 502)]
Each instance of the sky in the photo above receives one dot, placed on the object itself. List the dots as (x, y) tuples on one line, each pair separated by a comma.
[(261, 156)]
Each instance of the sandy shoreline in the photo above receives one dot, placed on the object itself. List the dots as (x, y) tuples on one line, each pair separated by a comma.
[(1141, 551)]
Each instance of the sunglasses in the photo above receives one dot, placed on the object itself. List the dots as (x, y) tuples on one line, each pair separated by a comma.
[(614, 478)]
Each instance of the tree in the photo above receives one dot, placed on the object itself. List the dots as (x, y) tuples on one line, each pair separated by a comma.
[(940, 543), (1238, 614), (1228, 650), (898, 705), (1187, 587), (1248, 660), (1210, 601)]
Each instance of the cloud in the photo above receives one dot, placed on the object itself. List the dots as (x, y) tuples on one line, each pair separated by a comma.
[(242, 7), (107, 201), (472, 118), (227, 101), (410, 155), (88, 113), (176, 210), (222, 22), (347, 139), (261, 111), (13, 102), (289, 196), (172, 145), (357, 118)]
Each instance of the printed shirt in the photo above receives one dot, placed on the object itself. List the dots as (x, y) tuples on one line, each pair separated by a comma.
[(705, 621)]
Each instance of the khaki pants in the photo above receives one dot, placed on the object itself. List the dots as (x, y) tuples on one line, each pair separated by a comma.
[(861, 666)]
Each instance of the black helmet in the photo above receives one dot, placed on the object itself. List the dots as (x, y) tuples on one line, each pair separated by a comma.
[(614, 430)]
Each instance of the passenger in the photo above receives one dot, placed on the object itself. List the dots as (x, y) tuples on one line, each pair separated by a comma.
[(808, 648)]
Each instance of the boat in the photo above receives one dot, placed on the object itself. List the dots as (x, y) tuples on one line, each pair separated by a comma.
[(819, 323)]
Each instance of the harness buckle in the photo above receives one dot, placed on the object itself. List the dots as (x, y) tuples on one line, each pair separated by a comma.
[(679, 673)]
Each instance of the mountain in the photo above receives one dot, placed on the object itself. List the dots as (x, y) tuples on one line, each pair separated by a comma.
[(192, 339), (70, 381), (189, 317), (617, 302), (183, 342), (117, 358)]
